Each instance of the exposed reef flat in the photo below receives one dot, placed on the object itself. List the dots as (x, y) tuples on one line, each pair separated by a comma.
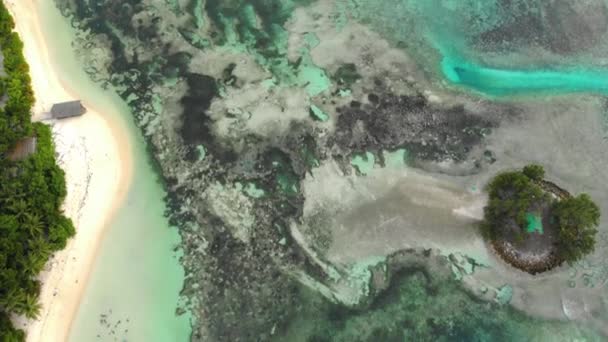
[(284, 212)]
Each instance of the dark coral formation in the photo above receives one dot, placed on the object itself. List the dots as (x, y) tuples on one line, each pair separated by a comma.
[(427, 132)]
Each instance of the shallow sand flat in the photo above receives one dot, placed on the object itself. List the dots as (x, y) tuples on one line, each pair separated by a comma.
[(393, 209), (389, 210), (566, 135), (94, 151)]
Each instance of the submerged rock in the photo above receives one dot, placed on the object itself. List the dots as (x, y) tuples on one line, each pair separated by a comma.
[(504, 294)]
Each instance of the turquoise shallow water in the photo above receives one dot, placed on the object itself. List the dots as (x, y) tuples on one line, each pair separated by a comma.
[(134, 286), (500, 82), (133, 291), (449, 37), (458, 42)]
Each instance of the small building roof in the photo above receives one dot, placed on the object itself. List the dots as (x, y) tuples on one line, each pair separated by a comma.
[(23, 149), (67, 109), (535, 223)]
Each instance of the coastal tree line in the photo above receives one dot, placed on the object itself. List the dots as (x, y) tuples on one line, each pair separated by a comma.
[(32, 225)]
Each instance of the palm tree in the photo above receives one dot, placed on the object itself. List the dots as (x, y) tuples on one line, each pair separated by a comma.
[(8, 224), (13, 335), (34, 263), (32, 306), (19, 209), (39, 245), (11, 301), (33, 224), (7, 332), (29, 306)]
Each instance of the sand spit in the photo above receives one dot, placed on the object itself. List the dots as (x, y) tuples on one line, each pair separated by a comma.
[(94, 151)]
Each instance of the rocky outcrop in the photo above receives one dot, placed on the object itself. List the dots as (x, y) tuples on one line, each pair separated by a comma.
[(532, 264)]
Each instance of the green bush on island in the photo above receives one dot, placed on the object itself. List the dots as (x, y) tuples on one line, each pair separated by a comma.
[(534, 172), (513, 196), (32, 225), (576, 218)]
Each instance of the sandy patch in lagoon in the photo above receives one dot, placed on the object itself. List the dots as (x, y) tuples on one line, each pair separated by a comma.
[(94, 151), (392, 209), (566, 135)]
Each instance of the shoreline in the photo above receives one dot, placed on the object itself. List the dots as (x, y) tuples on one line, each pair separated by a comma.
[(508, 254), (541, 263), (95, 152)]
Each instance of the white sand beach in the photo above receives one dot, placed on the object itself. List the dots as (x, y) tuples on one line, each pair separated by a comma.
[(95, 152)]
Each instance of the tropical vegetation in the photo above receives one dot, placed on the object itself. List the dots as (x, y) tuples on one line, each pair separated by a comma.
[(514, 194), (511, 194), (576, 218), (32, 189)]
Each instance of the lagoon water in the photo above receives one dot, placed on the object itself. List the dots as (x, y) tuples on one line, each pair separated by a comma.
[(451, 37), (134, 285), (503, 82)]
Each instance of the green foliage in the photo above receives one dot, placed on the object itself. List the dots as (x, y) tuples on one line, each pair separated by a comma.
[(32, 225), (15, 116), (7, 332), (577, 218), (534, 172), (511, 196)]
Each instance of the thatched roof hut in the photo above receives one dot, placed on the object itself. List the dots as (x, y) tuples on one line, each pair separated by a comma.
[(67, 109)]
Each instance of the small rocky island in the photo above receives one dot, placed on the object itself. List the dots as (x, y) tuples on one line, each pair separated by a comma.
[(535, 225)]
